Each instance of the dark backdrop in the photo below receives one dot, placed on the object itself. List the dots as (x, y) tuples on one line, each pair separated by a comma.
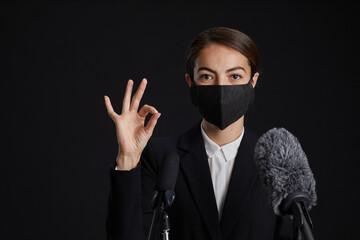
[(58, 61)]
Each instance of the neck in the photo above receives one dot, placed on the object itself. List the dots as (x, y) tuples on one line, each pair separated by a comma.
[(223, 137)]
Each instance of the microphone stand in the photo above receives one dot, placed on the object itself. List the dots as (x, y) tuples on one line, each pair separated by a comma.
[(296, 204), (161, 202)]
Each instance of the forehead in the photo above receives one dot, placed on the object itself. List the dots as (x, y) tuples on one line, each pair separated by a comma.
[(220, 56)]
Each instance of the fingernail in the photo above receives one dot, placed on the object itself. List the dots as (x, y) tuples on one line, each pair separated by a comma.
[(158, 116)]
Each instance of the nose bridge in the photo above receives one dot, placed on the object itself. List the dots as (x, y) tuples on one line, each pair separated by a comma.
[(222, 79)]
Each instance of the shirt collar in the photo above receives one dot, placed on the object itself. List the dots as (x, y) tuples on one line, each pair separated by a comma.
[(229, 150)]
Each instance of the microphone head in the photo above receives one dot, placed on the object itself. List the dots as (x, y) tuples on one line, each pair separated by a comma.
[(167, 176), (283, 167)]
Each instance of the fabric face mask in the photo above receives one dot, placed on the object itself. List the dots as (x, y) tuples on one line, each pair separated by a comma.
[(222, 105)]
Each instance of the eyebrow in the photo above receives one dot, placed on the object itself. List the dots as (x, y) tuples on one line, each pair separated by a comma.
[(229, 70)]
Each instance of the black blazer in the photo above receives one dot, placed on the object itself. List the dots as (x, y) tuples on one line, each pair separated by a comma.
[(194, 215)]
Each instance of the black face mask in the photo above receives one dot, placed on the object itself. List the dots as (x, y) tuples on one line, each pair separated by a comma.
[(222, 105)]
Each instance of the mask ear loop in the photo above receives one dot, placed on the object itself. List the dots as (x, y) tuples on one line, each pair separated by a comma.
[(192, 81), (251, 78)]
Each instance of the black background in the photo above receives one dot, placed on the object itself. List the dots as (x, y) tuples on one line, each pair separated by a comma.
[(58, 61)]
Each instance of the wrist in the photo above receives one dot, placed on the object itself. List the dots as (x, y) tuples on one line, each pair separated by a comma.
[(127, 162)]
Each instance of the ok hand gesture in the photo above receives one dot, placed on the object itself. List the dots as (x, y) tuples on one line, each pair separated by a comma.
[(132, 135)]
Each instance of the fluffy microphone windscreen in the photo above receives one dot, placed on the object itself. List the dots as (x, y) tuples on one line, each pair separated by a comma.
[(283, 167), (167, 176)]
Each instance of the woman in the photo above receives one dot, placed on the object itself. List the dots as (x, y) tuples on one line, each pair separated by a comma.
[(218, 191)]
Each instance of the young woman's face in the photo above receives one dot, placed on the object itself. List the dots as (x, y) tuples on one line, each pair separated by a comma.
[(221, 65)]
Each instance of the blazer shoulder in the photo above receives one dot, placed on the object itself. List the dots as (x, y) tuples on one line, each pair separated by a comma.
[(160, 146), (163, 143), (251, 137)]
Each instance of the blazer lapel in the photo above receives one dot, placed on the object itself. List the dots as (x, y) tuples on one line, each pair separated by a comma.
[(242, 180), (195, 167)]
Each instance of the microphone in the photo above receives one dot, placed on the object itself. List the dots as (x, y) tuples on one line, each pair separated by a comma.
[(166, 179), (285, 173), (164, 196)]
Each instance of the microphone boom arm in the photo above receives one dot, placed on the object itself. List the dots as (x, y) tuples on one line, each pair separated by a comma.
[(161, 202)]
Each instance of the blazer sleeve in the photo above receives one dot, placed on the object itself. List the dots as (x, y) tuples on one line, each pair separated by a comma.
[(129, 208)]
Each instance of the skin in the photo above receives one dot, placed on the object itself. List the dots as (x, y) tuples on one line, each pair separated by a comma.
[(216, 64), (221, 65)]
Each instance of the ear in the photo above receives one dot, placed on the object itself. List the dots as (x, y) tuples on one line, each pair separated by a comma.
[(254, 79), (188, 79)]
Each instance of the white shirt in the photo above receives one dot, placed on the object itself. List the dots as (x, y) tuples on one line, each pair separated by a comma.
[(221, 163)]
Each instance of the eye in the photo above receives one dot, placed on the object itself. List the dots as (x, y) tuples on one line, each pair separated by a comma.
[(205, 77), (236, 77)]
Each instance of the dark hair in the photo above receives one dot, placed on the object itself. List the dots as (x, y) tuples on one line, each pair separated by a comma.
[(225, 36)]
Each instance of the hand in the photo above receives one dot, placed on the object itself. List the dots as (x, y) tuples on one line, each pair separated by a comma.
[(132, 135)]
